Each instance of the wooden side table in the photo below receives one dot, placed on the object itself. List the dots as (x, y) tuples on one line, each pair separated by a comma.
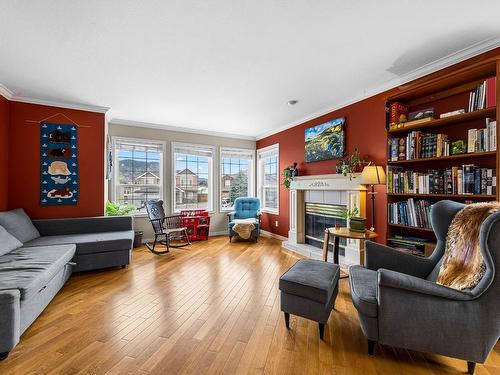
[(342, 232)]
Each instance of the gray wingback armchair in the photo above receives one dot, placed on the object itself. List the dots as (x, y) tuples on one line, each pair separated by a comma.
[(400, 304)]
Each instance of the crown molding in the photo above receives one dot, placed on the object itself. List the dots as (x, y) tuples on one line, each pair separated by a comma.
[(117, 121), (53, 103), (8, 94), (5, 92), (444, 62)]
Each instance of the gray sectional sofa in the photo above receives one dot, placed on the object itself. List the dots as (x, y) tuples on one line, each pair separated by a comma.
[(37, 258)]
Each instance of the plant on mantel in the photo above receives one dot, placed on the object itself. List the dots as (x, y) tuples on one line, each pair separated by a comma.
[(351, 164)]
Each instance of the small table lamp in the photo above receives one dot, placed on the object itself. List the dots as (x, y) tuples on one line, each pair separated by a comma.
[(373, 175)]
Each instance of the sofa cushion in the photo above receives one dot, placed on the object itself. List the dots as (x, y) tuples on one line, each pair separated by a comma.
[(89, 243), (8, 242), (311, 279), (29, 269), (364, 290), (17, 223)]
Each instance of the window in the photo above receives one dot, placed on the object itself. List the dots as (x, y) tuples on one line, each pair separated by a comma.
[(236, 175), (138, 171), (268, 178), (192, 179)]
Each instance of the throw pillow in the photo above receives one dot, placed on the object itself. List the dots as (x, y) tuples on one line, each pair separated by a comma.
[(463, 264), (17, 223), (8, 242)]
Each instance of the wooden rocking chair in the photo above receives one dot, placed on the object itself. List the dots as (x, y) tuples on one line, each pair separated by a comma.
[(166, 228)]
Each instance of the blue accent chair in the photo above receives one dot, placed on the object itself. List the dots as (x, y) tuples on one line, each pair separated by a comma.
[(245, 208)]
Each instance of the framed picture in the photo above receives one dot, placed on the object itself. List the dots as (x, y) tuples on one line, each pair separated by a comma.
[(325, 141)]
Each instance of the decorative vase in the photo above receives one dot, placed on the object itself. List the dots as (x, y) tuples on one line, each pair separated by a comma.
[(357, 224)]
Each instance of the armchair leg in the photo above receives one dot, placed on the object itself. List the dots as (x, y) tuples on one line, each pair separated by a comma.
[(321, 330), (287, 320), (371, 346), (471, 366), (4, 356)]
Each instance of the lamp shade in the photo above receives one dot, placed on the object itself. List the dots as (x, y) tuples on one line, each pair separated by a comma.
[(373, 175)]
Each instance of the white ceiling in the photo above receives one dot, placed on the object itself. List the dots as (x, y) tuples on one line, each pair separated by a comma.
[(230, 66)]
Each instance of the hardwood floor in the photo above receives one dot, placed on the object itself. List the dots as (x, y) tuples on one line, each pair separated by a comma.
[(209, 308)]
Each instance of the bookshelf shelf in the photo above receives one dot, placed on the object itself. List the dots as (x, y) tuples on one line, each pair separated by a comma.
[(482, 113), (410, 227), (445, 196), (445, 91), (470, 155)]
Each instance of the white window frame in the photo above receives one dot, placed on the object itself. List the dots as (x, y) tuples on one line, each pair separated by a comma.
[(211, 187), (114, 175), (261, 154), (251, 172)]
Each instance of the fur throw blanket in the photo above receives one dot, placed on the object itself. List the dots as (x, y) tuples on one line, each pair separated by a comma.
[(463, 265), (244, 227)]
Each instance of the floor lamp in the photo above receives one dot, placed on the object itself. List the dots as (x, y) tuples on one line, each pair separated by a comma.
[(373, 175)]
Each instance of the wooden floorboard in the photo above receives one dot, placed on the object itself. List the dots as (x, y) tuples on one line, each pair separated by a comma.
[(211, 308)]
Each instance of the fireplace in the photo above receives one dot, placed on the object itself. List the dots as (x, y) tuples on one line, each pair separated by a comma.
[(320, 216), (316, 203)]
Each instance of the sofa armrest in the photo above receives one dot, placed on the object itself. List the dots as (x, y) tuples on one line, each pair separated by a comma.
[(10, 313), (230, 216), (396, 280), (80, 225), (382, 256)]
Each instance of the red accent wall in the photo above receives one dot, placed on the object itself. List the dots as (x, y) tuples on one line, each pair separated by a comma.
[(365, 129), (24, 161), (4, 152)]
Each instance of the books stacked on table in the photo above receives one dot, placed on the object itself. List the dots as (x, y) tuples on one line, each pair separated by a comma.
[(482, 140), (465, 179), (412, 212), (412, 245), (483, 96)]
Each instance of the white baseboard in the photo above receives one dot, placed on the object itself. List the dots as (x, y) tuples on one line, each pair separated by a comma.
[(266, 233)]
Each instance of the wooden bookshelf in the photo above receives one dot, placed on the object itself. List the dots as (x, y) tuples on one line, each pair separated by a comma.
[(472, 155), (444, 196), (446, 91), (410, 227), (468, 116)]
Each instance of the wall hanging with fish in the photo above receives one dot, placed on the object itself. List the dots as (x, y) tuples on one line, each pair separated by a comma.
[(59, 164)]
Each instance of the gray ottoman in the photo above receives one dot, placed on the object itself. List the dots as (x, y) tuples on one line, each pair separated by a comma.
[(308, 289)]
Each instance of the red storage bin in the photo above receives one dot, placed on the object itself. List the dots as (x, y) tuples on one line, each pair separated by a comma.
[(197, 223)]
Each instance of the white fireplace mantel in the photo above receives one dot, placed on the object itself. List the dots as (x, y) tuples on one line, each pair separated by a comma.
[(327, 188), (328, 182)]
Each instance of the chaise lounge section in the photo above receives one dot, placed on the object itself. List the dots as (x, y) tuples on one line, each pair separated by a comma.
[(31, 275)]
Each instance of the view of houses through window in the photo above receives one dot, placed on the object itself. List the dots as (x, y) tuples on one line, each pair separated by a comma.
[(236, 171), (138, 172), (193, 177), (268, 178)]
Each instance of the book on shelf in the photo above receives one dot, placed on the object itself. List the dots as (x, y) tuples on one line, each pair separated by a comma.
[(465, 179), (412, 213), (483, 96), (418, 145), (410, 244), (483, 140)]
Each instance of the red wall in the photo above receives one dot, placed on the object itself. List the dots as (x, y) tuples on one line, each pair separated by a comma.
[(4, 152), (365, 129), (24, 161)]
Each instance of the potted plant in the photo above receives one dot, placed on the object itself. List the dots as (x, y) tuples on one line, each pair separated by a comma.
[(118, 209), (355, 222), (350, 165), (288, 174)]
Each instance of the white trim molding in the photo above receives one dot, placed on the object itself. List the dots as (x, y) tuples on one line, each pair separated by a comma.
[(266, 233), (117, 121), (261, 154), (8, 94)]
